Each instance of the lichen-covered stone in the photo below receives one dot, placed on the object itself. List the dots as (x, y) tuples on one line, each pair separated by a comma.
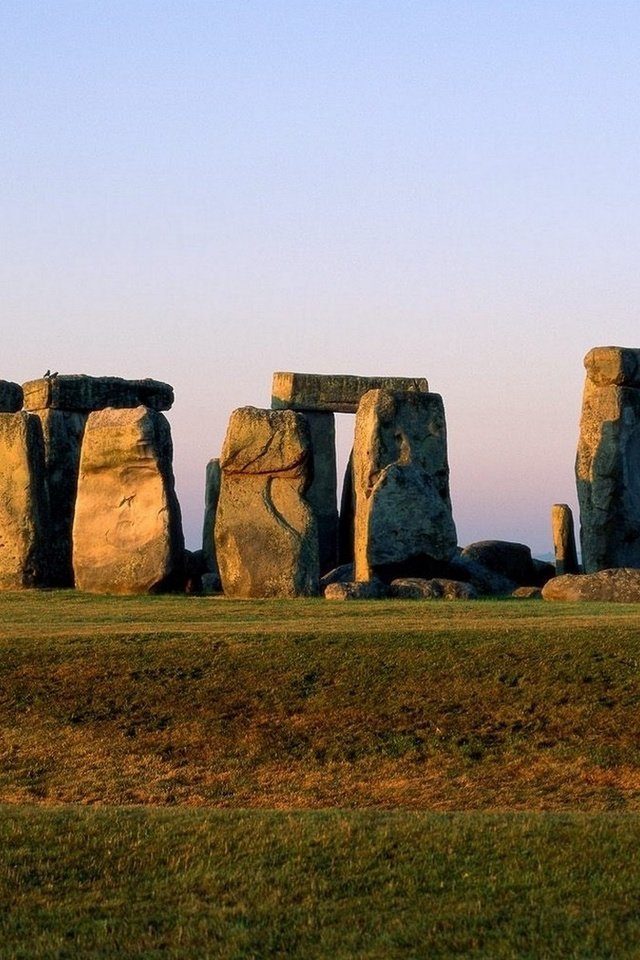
[(362, 590), (608, 460), (82, 393), (564, 540), (618, 585), (438, 588), (401, 481), (23, 502), (266, 532), (127, 531), (334, 393)]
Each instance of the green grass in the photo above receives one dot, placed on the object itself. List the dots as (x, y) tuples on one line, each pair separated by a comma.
[(190, 777), (149, 883)]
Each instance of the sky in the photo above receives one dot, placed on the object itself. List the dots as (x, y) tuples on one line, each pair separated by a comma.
[(207, 191)]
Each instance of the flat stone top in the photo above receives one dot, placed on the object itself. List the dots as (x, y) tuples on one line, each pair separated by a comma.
[(334, 393), (10, 397), (619, 366), (82, 393)]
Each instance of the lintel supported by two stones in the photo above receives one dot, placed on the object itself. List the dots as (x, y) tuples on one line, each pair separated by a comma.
[(334, 393), (82, 393)]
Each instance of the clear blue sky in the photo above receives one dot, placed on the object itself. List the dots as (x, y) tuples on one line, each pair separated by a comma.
[(206, 192)]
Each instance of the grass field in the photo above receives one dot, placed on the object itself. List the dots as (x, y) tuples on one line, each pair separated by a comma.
[(192, 777)]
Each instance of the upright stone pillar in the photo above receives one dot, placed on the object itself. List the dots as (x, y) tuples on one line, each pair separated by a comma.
[(266, 532), (401, 480), (211, 497), (564, 541), (608, 460), (346, 523), (24, 530), (322, 494), (127, 530)]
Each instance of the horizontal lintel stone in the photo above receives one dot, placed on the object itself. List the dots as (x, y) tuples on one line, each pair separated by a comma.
[(334, 393), (82, 393)]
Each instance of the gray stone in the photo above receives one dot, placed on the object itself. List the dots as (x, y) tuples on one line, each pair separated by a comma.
[(62, 432), (346, 520), (211, 497), (266, 532), (341, 574), (24, 530), (485, 581), (363, 590), (564, 541), (85, 394), (438, 588), (210, 584), (127, 531), (510, 560), (322, 494), (401, 481), (10, 397), (619, 585), (608, 460), (334, 393)]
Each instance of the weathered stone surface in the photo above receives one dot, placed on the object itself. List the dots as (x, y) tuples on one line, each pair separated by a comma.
[(608, 460), (266, 532), (23, 502), (527, 593), (564, 541), (341, 574), (346, 520), (322, 494), (510, 560), (485, 581), (10, 397), (401, 481), (211, 496), (364, 590), (619, 585), (62, 432), (82, 393), (334, 393), (127, 532), (439, 588)]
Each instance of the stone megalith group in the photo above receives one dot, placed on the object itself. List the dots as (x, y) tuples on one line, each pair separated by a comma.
[(86, 485)]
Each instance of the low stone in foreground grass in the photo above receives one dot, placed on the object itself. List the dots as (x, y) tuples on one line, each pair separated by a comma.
[(106, 883)]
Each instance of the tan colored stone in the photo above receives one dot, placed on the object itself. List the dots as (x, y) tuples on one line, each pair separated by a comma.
[(82, 393), (564, 541), (618, 585), (608, 461), (23, 502), (266, 533), (127, 533), (401, 481), (334, 393)]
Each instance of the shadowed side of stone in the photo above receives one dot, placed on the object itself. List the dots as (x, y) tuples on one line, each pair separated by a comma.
[(127, 531), (266, 533), (10, 397), (401, 482), (334, 393), (23, 502), (79, 392), (322, 494), (211, 497)]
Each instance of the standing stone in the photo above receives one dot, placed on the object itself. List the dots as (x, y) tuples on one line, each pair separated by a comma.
[(608, 460), (322, 494), (127, 532), (346, 523), (23, 502), (564, 541), (401, 480), (211, 497), (62, 432), (10, 397), (266, 532)]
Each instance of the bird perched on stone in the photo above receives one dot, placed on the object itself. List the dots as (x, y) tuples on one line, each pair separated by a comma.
[(53, 375), (45, 376)]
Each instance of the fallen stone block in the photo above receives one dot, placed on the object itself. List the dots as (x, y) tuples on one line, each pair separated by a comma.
[(438, 588), (367, 590), (618, 585)]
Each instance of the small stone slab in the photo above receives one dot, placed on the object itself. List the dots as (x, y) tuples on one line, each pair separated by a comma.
[(10, 397), (616, 585), (438, 588), (357, 590), (85, 394), (339, 393)]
